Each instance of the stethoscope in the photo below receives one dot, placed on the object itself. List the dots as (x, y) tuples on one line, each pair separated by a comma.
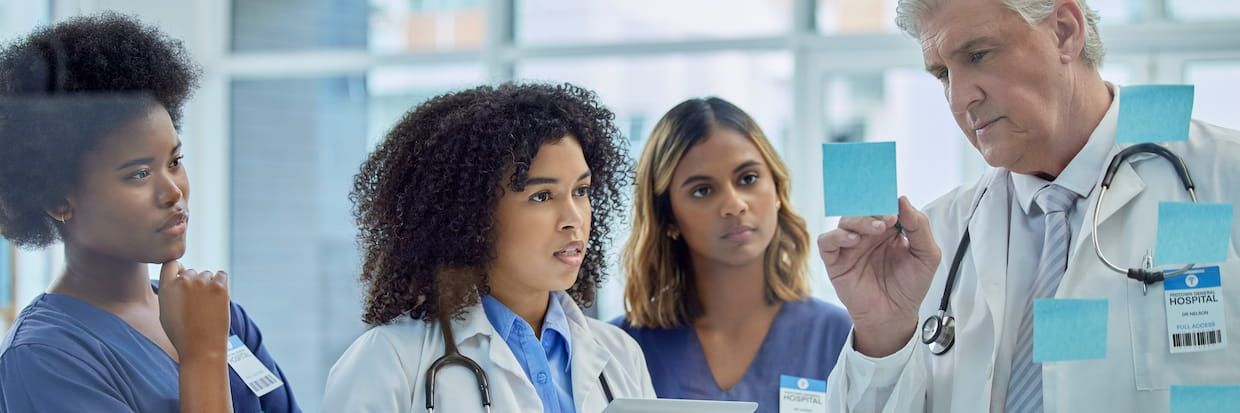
[(454, 356), (939, 330)]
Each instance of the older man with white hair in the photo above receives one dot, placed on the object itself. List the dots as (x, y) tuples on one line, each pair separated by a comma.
[(1021, 79)]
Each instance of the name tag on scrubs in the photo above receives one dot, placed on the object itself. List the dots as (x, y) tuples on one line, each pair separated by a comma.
[(1195, 311), (802, 395), (254, 373)]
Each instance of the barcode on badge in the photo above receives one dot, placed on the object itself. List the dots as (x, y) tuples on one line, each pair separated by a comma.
[(1199, 338)]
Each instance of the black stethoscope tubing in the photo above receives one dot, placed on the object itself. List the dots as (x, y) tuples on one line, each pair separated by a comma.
[(453, 356), (939, 330)]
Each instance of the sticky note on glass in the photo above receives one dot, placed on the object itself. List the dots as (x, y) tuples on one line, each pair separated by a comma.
[(1192, 233), (1204, 399), (1069, 329), (859, 179), (1154, 113)]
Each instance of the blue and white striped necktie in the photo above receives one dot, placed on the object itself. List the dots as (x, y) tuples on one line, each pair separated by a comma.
[(1025, 385)]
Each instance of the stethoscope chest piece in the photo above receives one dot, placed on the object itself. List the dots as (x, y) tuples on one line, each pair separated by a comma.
[(939, 332)]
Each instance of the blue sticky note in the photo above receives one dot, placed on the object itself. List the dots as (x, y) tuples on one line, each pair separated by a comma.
[(1192, 233), (859, 179), (1154, 113), (1204, 399), (1069, 329)]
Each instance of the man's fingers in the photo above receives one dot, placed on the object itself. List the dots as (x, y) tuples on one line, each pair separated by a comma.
[(917, 227), (868, 225), (832, 243)]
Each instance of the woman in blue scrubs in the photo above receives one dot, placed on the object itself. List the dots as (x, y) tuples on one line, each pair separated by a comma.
[(718, 289), (89, 116)]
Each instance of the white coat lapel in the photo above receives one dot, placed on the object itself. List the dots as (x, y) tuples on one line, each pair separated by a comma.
[(988, 233), (589, 357), (1124, 188), (476, 330)]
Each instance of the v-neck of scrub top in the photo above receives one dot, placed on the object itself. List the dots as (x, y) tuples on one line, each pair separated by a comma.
[(698, 353), (114, 328)]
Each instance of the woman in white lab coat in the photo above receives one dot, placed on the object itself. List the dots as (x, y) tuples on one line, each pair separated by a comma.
[(486, 210)]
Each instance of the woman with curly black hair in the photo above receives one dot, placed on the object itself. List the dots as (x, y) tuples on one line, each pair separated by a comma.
[(89, 116), (484, 217)]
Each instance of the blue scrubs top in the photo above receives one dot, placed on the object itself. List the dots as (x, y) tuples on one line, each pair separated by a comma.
[(805, 340), (66, 355)]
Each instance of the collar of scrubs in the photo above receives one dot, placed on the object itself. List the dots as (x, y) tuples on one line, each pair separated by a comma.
[(504, 320), (1085, 170)]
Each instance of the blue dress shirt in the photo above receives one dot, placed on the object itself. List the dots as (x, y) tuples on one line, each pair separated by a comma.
[(546, 362)]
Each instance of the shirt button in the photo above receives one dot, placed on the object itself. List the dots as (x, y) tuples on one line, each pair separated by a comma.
[(990, 371), (542, 378)]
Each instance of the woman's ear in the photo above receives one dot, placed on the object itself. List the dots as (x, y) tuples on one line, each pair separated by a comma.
[(62, 211)]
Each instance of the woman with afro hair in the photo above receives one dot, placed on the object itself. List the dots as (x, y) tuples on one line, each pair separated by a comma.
[(484, 219), (90, 157)]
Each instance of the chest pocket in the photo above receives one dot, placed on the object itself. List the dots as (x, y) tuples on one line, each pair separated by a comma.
[(1155, 366)]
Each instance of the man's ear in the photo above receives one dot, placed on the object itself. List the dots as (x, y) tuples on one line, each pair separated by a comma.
[(1069, 26)]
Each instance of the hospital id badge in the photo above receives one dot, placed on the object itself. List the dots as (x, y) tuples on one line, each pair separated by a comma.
[(1194, 302), (255, 374), (802, 395)]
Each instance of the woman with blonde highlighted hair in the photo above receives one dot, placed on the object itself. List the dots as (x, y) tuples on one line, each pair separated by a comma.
[(718, 289)]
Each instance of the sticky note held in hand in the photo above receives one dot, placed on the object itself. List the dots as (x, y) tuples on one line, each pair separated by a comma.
[(859, 179)]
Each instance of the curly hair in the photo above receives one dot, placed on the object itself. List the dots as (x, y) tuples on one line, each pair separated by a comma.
[(426, 198), (62, 89)]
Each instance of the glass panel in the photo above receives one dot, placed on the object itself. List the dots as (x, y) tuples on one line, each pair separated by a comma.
[(8, 307), (1203, 9), (296, 145), (905, 106), (641, 89), (393, 91), (1216, 91), (427, 25), (868, 16), (17, 19), (295, 148), (541, 22), (298, 25), (1116, 11), (856, 16)]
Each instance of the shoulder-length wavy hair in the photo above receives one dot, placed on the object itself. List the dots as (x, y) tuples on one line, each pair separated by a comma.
[(426, 198), (660, 290)]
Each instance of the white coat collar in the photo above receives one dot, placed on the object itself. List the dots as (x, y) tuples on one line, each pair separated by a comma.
[(589, 355)]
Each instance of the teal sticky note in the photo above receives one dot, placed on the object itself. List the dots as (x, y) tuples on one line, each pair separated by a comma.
[(1154, 113), (1205, 399), (859, 179), (1192, 233), (1069, 329)]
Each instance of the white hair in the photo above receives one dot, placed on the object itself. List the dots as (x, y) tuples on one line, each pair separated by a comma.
[(910, 12)]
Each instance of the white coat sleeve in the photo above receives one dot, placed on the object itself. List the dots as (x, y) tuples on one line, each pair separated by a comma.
[(370, 377), (896, 383), (639, 366)]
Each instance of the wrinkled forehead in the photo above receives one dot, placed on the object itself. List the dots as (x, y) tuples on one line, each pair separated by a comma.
[(953, 25)]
